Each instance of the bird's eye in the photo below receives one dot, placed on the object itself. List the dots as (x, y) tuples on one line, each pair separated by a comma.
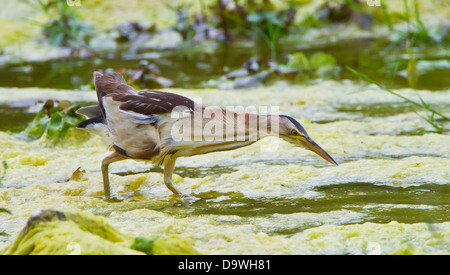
[(294, 133)]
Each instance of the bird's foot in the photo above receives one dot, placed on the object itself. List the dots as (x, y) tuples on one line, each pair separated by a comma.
[(113, 199), (190, 199), (173, 189)]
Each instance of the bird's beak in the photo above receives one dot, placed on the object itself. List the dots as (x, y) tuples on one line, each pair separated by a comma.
[(311, 145)]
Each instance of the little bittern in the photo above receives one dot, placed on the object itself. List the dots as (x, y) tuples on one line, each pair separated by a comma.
[(161, 127)]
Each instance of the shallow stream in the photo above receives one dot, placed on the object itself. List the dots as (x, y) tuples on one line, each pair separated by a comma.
[(390, 191)]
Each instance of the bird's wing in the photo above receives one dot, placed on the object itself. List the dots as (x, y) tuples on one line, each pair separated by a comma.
[(153, 110), (148, 107), (153, 102), (144, 102)]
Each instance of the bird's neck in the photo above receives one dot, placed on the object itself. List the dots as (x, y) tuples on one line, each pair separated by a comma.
[(264, 125), (226, 127), (239, 130)]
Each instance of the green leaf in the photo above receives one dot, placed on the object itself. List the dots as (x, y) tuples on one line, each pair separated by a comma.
[(323, 64), (54, 128), (144, 244), (298, 61), (424, 104), (422, 28), (387, 19), (321, 59), (354, 5)]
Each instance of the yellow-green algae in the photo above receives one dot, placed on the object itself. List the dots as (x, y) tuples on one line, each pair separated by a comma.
[(368, 149), (371, 238), (50, 232), (83, 233)]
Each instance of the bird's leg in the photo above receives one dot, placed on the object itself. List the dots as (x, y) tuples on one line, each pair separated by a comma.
[(169, 165), (105, 163)]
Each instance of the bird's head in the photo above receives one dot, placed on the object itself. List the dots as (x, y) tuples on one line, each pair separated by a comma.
[(293, 132)]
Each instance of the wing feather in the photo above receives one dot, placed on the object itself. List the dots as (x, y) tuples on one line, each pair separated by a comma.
[(153, 102)]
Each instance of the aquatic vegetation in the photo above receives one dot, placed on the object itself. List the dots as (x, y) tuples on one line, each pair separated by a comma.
[(82, 233), (413, 37), (205, 33), (271, 26), (68, 233), (67, 29), (158, 245), (228, 21), (52, 122), (260, 201), (337, 12), (238, 19), (422, 105), (246, 201), (318, 64), (298, 69), (144, 244), (415, 32)]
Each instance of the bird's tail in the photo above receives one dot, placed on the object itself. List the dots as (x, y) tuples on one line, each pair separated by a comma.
[(111, 84), (106, 84)]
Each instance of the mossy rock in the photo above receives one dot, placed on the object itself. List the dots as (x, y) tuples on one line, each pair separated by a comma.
[(50, 232)]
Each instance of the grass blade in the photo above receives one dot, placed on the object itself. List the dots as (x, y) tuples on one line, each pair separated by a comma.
[(419, 21), (424, 104), (368, 79), (387, 19)]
